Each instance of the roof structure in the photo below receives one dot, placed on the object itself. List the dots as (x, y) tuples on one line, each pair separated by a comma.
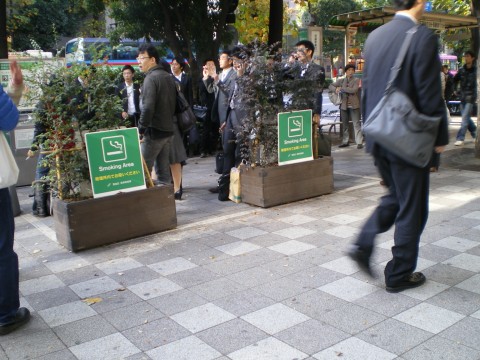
[(369, 19), (373, 18)]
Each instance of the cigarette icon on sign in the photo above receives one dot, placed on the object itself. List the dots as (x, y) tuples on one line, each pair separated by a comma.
[(116, 145), (113, 148), (295, 126)]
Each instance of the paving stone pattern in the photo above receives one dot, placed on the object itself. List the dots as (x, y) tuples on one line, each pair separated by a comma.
[(242, 283)]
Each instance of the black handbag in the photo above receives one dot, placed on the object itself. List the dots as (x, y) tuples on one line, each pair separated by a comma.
[(200, 112), (324, 144), (397, 125), (185, 117)]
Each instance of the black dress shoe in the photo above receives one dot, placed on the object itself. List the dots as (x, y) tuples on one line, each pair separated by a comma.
[(21, 318), (214, 190), (360, 146), (362, 258), (343, 145), (409, 282)]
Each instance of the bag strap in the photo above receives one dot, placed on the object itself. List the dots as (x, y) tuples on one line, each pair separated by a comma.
[(397, 66)]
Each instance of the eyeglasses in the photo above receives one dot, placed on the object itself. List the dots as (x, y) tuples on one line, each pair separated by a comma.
[(141, 58)]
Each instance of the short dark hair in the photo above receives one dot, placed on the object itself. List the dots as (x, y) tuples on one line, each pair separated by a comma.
[(181, 61), (349, 66), (128, 67), (240, 52), (150, 50), (471, 53), (308, 45), (403, 4), (226, 52), (165, 65), (207, 60)]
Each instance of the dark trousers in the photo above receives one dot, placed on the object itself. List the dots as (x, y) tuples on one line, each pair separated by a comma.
[(209, 139), (405, 206), (231, 149), (231, 155), (9, 294)]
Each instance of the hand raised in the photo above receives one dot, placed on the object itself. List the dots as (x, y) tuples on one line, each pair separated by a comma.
[(16, 73)]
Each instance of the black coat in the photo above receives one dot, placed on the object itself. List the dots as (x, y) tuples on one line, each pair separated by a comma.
[(418, 77), (121, 91)]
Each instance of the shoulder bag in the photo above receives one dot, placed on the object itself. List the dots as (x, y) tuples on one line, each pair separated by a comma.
[(8, 167), (200, 112), (185, 117), (397, 125), (335, 99)]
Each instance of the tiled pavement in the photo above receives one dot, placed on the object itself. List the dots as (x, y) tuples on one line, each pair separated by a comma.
[(243, 283)]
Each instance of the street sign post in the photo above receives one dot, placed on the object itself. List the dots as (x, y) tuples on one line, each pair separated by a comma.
[(295, 137), (115, 161)]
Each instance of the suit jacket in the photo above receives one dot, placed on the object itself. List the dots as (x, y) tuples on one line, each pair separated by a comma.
[(317, 72), (223, 92), (121, 91), (418, 77)]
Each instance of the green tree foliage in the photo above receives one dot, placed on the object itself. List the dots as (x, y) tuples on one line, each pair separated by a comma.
[(44, 20), (252, 20), (193, 29), (323, 11)]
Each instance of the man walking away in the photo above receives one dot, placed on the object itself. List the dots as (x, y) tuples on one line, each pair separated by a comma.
[(467, 77), (406, 204)]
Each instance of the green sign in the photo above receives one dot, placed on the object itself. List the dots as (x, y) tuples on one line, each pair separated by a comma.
[(303, 34), (295, 137), (115, 161)]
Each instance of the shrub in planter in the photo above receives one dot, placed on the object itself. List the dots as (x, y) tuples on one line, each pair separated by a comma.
[(70, 102), (269, 86), (73, 101)]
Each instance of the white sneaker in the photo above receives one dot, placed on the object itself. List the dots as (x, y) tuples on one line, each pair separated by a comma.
[(458, 143)]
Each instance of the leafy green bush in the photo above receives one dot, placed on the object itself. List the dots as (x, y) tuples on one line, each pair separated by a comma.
[(67, 110)]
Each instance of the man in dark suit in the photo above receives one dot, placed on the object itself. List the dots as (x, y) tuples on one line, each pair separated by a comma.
[(129, 92), (406, 204), (210, 133), (223, 85), (310, 70)]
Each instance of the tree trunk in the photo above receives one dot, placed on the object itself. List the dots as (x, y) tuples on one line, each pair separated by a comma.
[(476, 12), (3, 30), (275, 26)]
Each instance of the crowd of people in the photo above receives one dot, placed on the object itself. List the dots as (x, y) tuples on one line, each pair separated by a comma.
[(152, 108)]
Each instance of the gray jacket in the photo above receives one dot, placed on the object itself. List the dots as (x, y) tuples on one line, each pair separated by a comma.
[(349, 88), (159, 96), (223, 92)]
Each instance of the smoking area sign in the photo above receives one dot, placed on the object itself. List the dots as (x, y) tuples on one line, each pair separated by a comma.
[(115, 161), (295, 137)]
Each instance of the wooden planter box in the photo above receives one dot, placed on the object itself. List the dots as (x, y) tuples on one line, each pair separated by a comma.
[(90, 223), (266, 187)]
